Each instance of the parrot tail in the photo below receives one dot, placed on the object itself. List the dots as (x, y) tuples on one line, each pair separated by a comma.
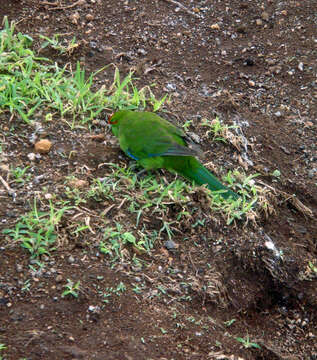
[(202, 176)]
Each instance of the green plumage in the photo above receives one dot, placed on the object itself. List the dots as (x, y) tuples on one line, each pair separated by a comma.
[(156, 143)]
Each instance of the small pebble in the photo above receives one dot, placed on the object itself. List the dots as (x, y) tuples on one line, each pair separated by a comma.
[(215, 27), (59, 278), (170, 245), (78, 184), (5, 167), (19, 268), (43, 146), (89, 17), (311, 173), (31, 156), (71, 259), (265, 16), (74, 18)]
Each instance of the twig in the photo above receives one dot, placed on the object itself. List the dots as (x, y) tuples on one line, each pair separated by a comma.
[(56, 3), (183, 8), (6, 185), (78, 2)]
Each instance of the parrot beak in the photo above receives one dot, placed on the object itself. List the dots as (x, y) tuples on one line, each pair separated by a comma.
[(112, 122), (109, 119)]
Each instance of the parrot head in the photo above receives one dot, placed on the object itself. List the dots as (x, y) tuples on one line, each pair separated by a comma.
[(115, 118), (112, 119)]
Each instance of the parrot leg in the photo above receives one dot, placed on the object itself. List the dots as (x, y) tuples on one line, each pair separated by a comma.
[(140, 173)]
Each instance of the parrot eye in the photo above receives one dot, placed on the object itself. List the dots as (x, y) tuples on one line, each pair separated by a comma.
[(111, 121)]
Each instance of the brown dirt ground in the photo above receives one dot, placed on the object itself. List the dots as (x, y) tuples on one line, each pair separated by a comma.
[(257, 67)]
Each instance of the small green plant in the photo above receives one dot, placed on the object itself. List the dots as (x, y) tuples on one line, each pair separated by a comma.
[(36, 231), (19, 175), (116, 240), (109, 291), (72, 288), (26, 286), (187, 124), (312, 267), (229, 322), (62, 47), (240, 208), (247, 343), (76, 195), (138, 289), (2, 347), (276, 173), (102, 190), (215, 127)]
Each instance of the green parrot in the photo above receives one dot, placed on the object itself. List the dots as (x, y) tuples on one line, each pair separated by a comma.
[(156, 143)]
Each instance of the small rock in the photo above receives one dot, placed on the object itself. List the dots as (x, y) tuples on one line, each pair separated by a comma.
[(19, 268), (241, 29), (74, 351), (141, 51), (249, 62), (71, 259), (78, 184), (43, 146), (170, 245), (311, 173), (74, 18), (48, 196), (271, 61), (5, 167), (259, 22), (265, 16), (93, 44), (285, 150), (31, 156), (278, 114), (251, 83), (59, 278), (94, 309), (38, 179), (301, 66), (196, 138), (215, 26), (89, 17)]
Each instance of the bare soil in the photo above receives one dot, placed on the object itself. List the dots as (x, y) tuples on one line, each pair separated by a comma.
[(252, 62)]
